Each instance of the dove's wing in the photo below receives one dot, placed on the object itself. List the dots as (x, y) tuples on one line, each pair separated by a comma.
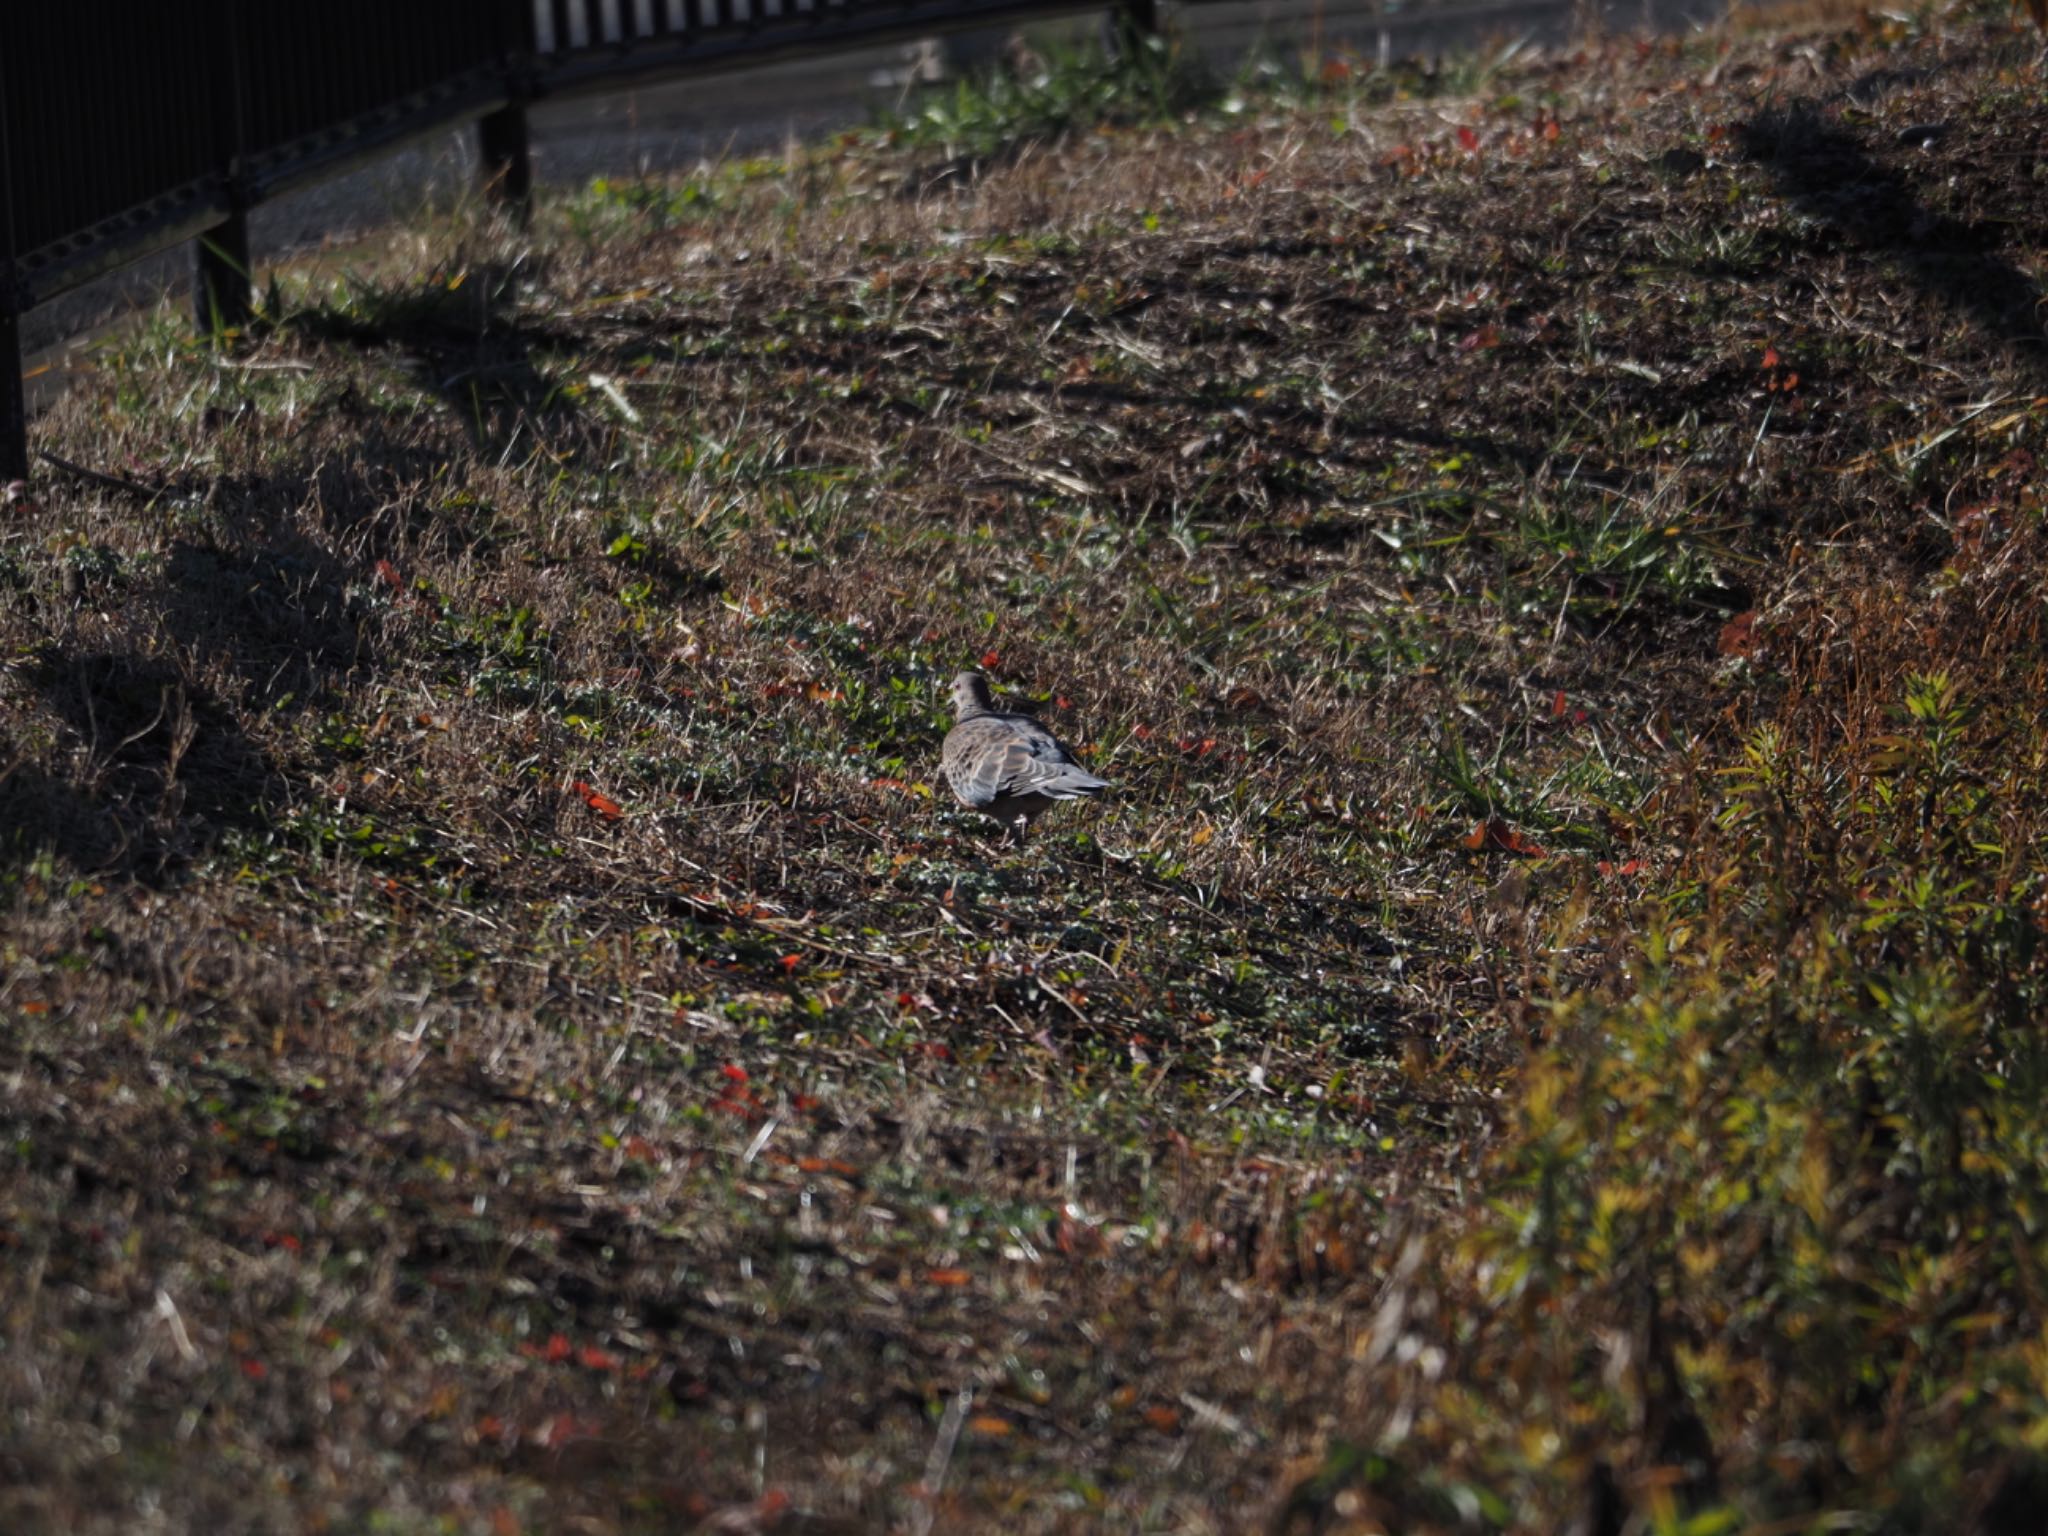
[(994, 757), (1036, 764)]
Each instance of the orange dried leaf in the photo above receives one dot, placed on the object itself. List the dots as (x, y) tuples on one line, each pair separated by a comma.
[(1738, 635), (1495, 835), (948, 1277), (604, 805)]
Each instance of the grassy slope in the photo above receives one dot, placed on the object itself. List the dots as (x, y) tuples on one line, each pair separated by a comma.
[(501, 1032)]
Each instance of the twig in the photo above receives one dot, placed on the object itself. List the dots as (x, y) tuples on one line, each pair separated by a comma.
[(150, 494), (942, 1455)]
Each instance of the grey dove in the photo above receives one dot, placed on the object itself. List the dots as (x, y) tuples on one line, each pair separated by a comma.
[(1005, 765)]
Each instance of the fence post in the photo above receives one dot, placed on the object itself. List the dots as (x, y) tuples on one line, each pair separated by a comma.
[(222, 275), (13, 389), (504, 142), (507, 155)]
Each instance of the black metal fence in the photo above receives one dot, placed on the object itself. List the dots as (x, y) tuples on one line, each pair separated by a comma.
[(126, 128)]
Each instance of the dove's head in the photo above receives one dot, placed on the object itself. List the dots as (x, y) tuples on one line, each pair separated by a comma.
[(971, 696)]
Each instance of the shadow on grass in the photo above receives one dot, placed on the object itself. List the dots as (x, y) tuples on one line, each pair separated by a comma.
[(462, 336), (1827, 174), (151, 717)]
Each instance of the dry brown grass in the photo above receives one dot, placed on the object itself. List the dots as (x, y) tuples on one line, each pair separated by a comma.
[(501, 1031)]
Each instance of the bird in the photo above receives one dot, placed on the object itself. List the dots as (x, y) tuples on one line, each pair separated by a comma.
[(1006, 765)]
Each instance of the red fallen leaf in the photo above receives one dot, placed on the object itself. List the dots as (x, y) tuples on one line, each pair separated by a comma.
[(791, 962), (838, 1165), (641, 1150), (1610, 869), (948, 1277), (1497, 836), (1557, 706), (35, 1006), (556, 1350), (733, 1072), (1550, 128), (888, 783), (1770, 357), (388, 574), (1142, 732), (1061, 701), (604, 805), (1162, 1418), (1477, 341), (284, 1240), (990, 661), (590, 1357), (1468, 138), (1738, 635), (489, 1427), (255, 1370)]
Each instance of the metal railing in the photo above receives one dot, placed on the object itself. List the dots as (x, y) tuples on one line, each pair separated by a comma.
[(125, 129)]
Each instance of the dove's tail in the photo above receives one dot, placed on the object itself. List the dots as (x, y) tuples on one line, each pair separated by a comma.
[(1070, 784)]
